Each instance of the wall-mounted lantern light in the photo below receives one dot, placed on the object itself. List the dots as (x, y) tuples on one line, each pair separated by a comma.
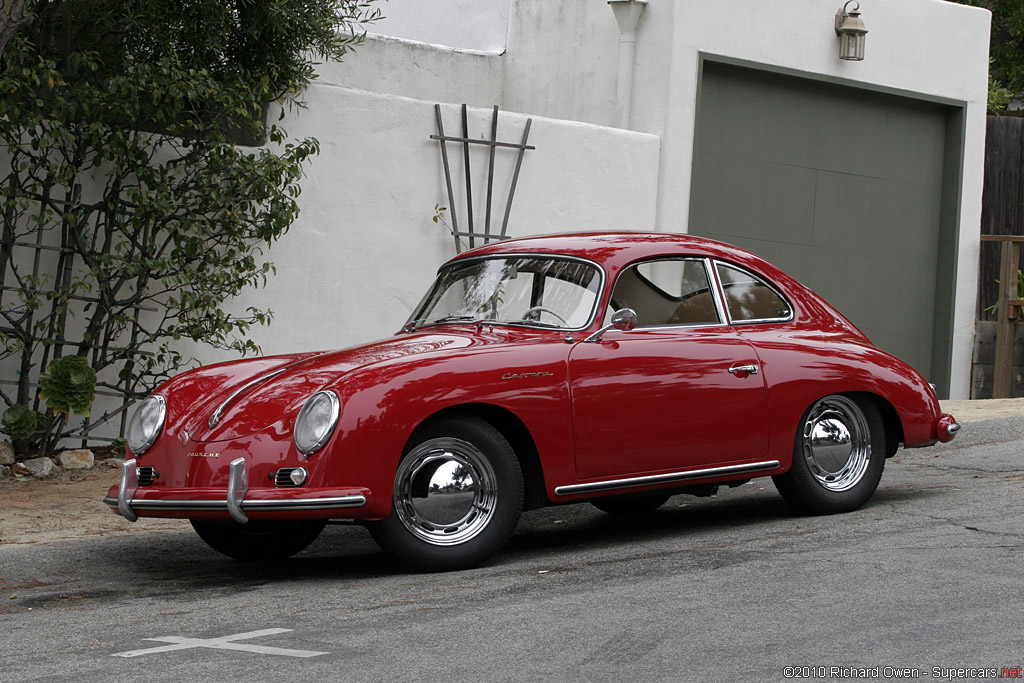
[(851, 32)]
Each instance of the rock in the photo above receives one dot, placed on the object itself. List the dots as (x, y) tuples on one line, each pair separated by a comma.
[(81, 459), (40, 468), (19, 470), (5, 471), (113, 463), (6, 453)]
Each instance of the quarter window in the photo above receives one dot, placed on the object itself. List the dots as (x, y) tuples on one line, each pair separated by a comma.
[(750, 299)]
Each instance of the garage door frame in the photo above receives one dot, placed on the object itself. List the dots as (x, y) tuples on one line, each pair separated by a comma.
[(950, 200)]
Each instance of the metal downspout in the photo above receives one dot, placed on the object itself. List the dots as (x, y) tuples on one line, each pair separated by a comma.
[(627, 14)]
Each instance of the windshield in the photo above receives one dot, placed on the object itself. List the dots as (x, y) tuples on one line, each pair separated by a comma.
[(531, 290)]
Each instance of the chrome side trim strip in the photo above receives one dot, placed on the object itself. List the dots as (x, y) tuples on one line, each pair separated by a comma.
[(671, 477), (219, 505), (126, 489), (215, 418)]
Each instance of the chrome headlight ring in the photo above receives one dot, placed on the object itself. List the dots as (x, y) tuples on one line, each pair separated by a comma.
[(146, 423), (316, 422)]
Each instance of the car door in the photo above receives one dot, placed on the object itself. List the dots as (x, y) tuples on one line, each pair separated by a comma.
[(683, 390)]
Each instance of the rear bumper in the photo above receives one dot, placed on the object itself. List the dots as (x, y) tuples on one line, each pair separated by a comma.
[(237, 501)]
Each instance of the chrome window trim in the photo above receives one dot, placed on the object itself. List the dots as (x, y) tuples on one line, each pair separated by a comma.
[(602, 275), (668, 478), (723, 311), (712, 287), (766, 283), (680, 326)]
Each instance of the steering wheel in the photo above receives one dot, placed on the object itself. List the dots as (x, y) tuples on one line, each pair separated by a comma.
[(543, 309)]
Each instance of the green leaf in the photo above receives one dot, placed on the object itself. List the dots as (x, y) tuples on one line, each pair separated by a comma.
[(150, 101)]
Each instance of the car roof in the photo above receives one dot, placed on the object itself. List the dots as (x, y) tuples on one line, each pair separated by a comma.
[(617, 250), (614, 250)]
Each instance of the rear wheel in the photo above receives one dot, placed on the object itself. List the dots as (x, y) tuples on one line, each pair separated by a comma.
[(631, 506), (457, 497), (838, 456), (258, 540)]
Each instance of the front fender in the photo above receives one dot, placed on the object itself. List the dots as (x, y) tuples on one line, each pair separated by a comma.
[(382, 405)]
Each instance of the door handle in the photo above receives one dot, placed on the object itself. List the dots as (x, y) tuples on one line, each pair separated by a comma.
[(748, 369)]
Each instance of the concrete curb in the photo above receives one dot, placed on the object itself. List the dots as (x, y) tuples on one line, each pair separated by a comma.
[(987, 409)]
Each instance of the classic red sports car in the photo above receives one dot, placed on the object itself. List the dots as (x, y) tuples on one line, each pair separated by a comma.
[(618, 369)]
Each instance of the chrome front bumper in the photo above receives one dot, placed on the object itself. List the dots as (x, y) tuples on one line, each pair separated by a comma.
[(235, 503)]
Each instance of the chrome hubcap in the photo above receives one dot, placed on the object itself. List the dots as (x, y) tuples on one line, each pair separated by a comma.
[(836, 443), (445, 491)]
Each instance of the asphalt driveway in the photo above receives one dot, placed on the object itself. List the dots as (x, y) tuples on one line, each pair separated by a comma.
[(925, 579)]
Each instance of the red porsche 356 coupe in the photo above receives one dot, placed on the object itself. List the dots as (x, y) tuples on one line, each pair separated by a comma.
[(617, 369)]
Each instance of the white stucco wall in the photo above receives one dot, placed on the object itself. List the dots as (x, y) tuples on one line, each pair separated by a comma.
[(396, 66), (562, 61), (365, 247), (467, 24), (902, 54)]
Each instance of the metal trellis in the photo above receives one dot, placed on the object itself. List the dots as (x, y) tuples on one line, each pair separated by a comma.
[(471, 233)]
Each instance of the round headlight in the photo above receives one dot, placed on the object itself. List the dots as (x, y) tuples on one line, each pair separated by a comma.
[(316, 421), (146, 424)]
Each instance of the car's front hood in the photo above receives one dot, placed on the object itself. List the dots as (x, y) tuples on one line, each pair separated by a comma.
[(262, 399)]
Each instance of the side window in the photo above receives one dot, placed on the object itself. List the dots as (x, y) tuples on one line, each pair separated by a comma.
[(750, 299), (667, 292)]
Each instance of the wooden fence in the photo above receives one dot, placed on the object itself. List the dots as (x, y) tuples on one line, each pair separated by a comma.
[(1002, 229), (1002, 211)]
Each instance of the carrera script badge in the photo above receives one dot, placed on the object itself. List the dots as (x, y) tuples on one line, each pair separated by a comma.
[(525, 375)]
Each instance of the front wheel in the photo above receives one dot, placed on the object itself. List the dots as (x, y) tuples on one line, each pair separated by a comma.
[(838, 456), (457, 497), (258, 540)]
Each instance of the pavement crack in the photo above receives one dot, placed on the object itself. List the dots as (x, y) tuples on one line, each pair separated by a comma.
[(961, 525), (957, 468), (991, 533)]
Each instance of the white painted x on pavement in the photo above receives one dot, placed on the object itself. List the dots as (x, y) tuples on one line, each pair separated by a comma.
[(223, 643)]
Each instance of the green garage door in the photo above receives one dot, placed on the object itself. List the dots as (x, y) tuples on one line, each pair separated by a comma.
[(843, 189)]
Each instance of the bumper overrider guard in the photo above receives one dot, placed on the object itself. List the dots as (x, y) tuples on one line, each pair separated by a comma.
[(235, 503), (946, 428)]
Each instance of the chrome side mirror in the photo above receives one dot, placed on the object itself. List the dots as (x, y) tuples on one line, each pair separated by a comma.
[(623, 319)]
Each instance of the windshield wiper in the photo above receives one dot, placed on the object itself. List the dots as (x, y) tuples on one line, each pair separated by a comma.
[(414, 325)]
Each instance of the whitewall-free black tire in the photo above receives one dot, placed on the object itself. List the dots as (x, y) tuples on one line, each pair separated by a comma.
[(838, 456), (457, 497)]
